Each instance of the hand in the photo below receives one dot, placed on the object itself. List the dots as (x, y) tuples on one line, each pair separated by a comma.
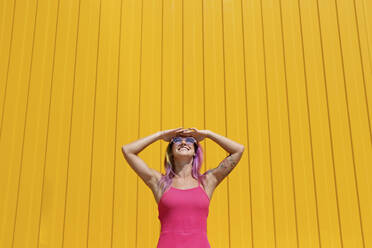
[(167, 135), (199, 135)]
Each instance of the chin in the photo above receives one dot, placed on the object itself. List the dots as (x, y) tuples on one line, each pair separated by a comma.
[(185, 154)]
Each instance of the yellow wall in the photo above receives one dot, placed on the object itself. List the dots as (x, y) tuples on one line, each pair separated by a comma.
[(291, 80)]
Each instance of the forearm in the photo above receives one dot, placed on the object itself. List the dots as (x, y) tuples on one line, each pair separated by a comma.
[(229, 145), (140, 144)]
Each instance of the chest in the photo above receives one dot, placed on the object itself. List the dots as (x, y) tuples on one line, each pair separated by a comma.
[(191, 202)]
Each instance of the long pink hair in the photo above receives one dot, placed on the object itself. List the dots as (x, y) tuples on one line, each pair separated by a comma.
[(166, 180)]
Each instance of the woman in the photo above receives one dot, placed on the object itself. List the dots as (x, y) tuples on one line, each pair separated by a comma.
[(183, 202)]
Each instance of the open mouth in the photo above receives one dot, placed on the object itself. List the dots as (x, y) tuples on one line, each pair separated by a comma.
[(183, 148)]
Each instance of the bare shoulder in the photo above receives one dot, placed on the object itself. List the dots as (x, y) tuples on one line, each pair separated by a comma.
[(208, 179), (156, 176), (153, 184), (209, 183)]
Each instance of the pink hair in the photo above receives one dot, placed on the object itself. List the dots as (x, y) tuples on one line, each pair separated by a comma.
[(166, 180)]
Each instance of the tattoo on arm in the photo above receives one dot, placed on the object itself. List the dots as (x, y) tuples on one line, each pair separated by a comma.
[(225, 167), (227, 164)]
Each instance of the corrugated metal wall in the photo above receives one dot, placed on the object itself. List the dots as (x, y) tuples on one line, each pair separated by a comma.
[(289, 79)]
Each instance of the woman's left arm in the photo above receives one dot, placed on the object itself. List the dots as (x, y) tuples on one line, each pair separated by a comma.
[(235, 149)]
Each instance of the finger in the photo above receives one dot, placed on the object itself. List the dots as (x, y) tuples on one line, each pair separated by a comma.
[(180, 131)]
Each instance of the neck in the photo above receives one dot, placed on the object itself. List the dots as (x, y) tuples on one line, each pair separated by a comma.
[(183, 168)]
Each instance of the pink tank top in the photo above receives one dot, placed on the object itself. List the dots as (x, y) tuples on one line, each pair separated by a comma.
[(183, 216)]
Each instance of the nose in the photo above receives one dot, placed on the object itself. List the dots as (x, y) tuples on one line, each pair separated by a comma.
[(183, 141)]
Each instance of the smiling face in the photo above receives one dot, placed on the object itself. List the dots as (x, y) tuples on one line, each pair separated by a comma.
[(183, 149)]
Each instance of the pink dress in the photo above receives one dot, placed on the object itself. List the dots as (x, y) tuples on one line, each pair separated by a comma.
[(183, 216)]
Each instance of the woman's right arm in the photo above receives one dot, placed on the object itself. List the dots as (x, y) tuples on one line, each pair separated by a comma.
[(149, 176)]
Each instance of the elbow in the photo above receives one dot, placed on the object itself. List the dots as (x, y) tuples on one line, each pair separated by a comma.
[(241, 150), (124, 150)]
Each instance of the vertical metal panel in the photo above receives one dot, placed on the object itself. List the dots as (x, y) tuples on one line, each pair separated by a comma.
[(291, 80)]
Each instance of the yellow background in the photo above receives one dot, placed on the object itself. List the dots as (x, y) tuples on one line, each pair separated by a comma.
[(289, 79)]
